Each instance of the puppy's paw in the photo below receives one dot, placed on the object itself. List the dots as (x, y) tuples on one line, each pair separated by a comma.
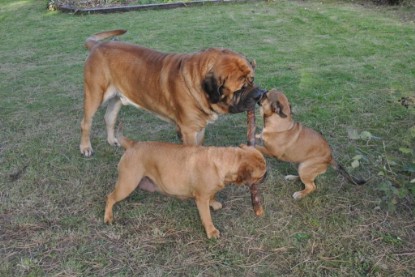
[(215, 205), (108, 218), (291, 178), (214, 233), (258, 139), (298, 195)]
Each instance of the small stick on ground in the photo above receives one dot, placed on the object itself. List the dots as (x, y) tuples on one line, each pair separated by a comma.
[(255, 199)]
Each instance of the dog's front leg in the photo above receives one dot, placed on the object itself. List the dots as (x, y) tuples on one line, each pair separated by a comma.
[(202, 204), (200, 137), (191, 137)]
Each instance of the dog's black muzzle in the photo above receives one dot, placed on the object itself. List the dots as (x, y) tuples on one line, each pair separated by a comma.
[(246, 98)]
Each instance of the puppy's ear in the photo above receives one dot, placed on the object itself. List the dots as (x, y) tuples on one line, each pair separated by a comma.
[(278, 108), (253, 64), (211, 85)]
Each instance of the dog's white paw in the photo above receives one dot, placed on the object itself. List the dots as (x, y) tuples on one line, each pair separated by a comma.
[(258, 139), (215, 205), (113, 142), (298, 195), (291, 178), (87, 151)]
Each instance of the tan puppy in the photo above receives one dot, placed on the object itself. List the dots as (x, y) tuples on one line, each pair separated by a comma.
[(187, 171), (290, 141), (188, 90)]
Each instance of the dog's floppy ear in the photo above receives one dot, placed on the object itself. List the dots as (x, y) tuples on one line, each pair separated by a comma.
[(212, 86), (276, 107), (244, 173)]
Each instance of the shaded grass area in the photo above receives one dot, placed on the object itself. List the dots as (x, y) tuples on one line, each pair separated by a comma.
[(345, 69)]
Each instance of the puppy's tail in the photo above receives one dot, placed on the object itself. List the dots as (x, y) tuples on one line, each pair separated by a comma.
[(353, 180), (123, 141), (94, 39)]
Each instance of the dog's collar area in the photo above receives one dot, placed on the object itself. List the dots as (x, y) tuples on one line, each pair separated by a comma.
[(285, 130), (292, 126)]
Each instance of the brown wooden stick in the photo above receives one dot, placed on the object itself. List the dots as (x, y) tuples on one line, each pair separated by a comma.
[(255, 199), (251, 127)]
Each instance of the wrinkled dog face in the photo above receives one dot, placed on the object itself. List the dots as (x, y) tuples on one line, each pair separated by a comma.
[(230, 83), (245, 99)]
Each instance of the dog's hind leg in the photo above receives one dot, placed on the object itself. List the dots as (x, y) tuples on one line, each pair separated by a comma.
[(308, 172), (92, 101), (126, 184), (114, 106)]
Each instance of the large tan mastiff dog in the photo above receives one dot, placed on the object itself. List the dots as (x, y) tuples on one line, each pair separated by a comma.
[(290, 141), (189, 90), (187, 171)]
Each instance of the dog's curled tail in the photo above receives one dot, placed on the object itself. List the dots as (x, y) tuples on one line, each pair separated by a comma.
[(94, 39), (123, 141), (353, 180)]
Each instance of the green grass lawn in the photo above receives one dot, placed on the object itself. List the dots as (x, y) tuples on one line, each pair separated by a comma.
[(349, 71)]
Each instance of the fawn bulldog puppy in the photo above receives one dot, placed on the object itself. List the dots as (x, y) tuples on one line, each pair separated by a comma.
[(188, 90), (187, 171), (290, 141)]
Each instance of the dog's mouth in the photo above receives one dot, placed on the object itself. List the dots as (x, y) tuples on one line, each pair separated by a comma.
[(246, 98)]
